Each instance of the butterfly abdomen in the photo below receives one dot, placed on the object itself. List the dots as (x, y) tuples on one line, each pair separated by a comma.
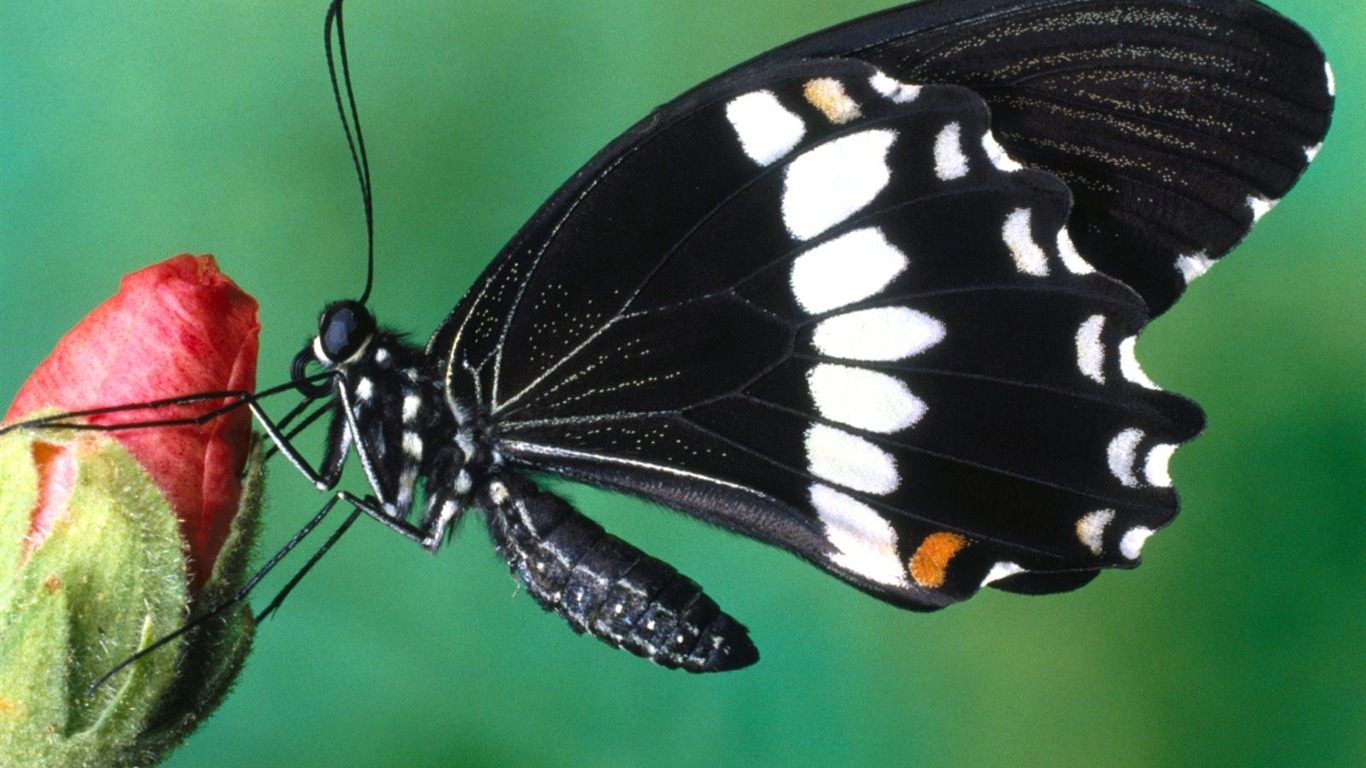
[(605, 587)]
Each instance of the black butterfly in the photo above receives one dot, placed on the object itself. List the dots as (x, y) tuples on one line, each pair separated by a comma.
[(871, 297)]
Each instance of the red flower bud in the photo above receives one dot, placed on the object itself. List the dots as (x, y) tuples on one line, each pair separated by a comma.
[(111, 539), (175, 328)]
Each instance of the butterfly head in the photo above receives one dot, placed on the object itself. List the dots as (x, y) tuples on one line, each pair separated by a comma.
[(345, 332)]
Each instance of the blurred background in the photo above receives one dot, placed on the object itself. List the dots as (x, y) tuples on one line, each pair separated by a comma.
[(131, 131)]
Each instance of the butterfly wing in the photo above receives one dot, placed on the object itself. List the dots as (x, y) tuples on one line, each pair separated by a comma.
[(822, 308), (1175, 123)]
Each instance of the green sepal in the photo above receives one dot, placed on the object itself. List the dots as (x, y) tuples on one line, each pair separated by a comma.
[(218, 648), (109, 579)]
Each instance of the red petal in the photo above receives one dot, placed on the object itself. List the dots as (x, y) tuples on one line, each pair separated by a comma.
[(175, 328)]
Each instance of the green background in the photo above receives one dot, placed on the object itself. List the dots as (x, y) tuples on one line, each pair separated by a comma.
[(130, 131)]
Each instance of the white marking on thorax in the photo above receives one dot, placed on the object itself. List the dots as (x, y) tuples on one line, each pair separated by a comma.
[(407, 484), (412, 445), (498, 493), (365, 389), (448, 510), (412, 404)]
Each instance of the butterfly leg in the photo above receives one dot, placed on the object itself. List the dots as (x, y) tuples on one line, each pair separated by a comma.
[(606, 587)]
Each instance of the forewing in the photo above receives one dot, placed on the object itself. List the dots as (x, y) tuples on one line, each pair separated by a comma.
[(822, 308), (1176, 123)]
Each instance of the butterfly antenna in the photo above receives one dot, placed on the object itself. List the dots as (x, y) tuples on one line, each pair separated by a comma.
[(350, 119)]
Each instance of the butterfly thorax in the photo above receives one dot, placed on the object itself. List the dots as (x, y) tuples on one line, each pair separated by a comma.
[(419, 449)]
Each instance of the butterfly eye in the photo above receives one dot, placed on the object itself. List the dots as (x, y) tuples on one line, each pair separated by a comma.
[(343, 330)]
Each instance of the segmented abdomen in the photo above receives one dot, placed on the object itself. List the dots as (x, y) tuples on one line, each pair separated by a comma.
[(608, 588)]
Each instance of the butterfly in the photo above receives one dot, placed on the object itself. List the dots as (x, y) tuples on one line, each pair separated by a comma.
[(871, 297)]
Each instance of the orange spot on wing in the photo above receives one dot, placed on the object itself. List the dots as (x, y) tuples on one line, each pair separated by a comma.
[(930, 563), (827, 94)]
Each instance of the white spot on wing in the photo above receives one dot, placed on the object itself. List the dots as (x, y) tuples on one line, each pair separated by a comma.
[(849, 460), (1131, 546), (864, 399), (1332, 81), (1155, 468), (844, 270), (1002, 570), (1071, 259), (1193, 265), (767, 130), (1090, 351), (826, 185), (1312, 152), (1091, 529), (949, 161), (881, 333), (1129, 367), (412, 445), (1029, 257), (892, 89), (1260, 206), (1121, 456), (865, 542), (997, 154)]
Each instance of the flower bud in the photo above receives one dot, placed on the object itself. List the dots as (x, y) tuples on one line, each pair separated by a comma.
[(111, 539)]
